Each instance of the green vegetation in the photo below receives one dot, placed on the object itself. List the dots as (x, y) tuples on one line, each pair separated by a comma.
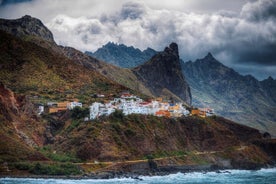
[(74, 124), (117, 115), (39, 168), (163, 154), (30, 69), (57, 157), (78, 113), (55, 169)]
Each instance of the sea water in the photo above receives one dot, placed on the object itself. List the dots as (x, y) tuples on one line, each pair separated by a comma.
[(263, 176)]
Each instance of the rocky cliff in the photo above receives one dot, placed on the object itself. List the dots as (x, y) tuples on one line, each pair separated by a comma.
[(163, 76), (122, 55), (240, 98), (20, 128)]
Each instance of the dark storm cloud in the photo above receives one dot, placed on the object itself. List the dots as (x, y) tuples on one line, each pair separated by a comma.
[(259, 10), (251, 53), (7, 2)]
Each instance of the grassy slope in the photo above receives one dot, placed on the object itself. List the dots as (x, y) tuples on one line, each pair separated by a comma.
[(135, 137), (29, 69)]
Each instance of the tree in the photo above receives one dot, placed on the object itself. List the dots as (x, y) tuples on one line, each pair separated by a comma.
[(78, 113)]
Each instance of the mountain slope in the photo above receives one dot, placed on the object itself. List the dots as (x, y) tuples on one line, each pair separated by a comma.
[(27, 68), (121, 55), (125, 77), (163, 73), (181, 141), (240, 98), (20, 131)]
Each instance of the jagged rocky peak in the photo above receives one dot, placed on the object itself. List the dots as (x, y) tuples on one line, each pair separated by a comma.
[(172, 49), (26, 26), (122, 55), (269, 79), (209, 58), (163, 73)]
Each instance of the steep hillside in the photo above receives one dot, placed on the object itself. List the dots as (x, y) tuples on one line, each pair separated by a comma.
[(122, 55), (20, 129), (122, 76), (183, 141), (163, 76), (125, 77), (29, 69), (237, 97), (269, 86)]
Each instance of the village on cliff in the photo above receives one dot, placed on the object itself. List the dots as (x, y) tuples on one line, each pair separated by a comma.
[(129, 104)]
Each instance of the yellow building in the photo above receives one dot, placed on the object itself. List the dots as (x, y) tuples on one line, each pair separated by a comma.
[(198, 112)]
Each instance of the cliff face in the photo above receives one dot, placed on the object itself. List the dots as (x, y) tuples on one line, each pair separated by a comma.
[(163, 73), (240, 98), (20, 129)]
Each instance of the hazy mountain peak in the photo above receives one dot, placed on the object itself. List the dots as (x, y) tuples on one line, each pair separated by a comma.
[(209, 56), (270, 78), (122, 55)]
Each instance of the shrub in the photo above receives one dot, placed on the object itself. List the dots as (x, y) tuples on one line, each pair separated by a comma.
[(117, 115), (55, 169), (79, 113), (129, 133)]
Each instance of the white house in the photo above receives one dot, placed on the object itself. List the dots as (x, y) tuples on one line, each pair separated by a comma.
[(40, 109), (94, 110), (98, 109), (72, 105)]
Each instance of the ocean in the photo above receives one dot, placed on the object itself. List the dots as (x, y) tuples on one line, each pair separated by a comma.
[(263, 176)]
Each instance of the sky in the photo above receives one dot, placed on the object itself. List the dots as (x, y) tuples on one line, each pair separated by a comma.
[(239, 33)]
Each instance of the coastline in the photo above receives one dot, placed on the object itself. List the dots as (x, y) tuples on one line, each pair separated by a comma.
[(136, 174)]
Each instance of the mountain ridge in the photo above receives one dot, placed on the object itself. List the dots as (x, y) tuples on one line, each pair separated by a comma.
[(208, 94), (240, 98), (122, 55)]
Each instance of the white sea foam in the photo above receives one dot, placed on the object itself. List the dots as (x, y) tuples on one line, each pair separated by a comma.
[(262, 176)]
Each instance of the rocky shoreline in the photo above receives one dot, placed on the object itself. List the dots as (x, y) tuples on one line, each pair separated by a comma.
[(137, 174), (166, 170)]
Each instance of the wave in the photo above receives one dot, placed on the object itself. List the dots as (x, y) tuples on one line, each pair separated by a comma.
[(224, 176)]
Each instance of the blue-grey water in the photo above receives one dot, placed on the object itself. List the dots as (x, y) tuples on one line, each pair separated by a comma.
[(263, 176)]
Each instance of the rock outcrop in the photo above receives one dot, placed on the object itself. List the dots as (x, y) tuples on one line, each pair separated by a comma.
[(25, 26), (163, 73)]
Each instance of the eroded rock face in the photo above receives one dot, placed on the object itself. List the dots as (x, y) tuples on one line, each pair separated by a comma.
[(8, 103), (26, 25), (163, 72)]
